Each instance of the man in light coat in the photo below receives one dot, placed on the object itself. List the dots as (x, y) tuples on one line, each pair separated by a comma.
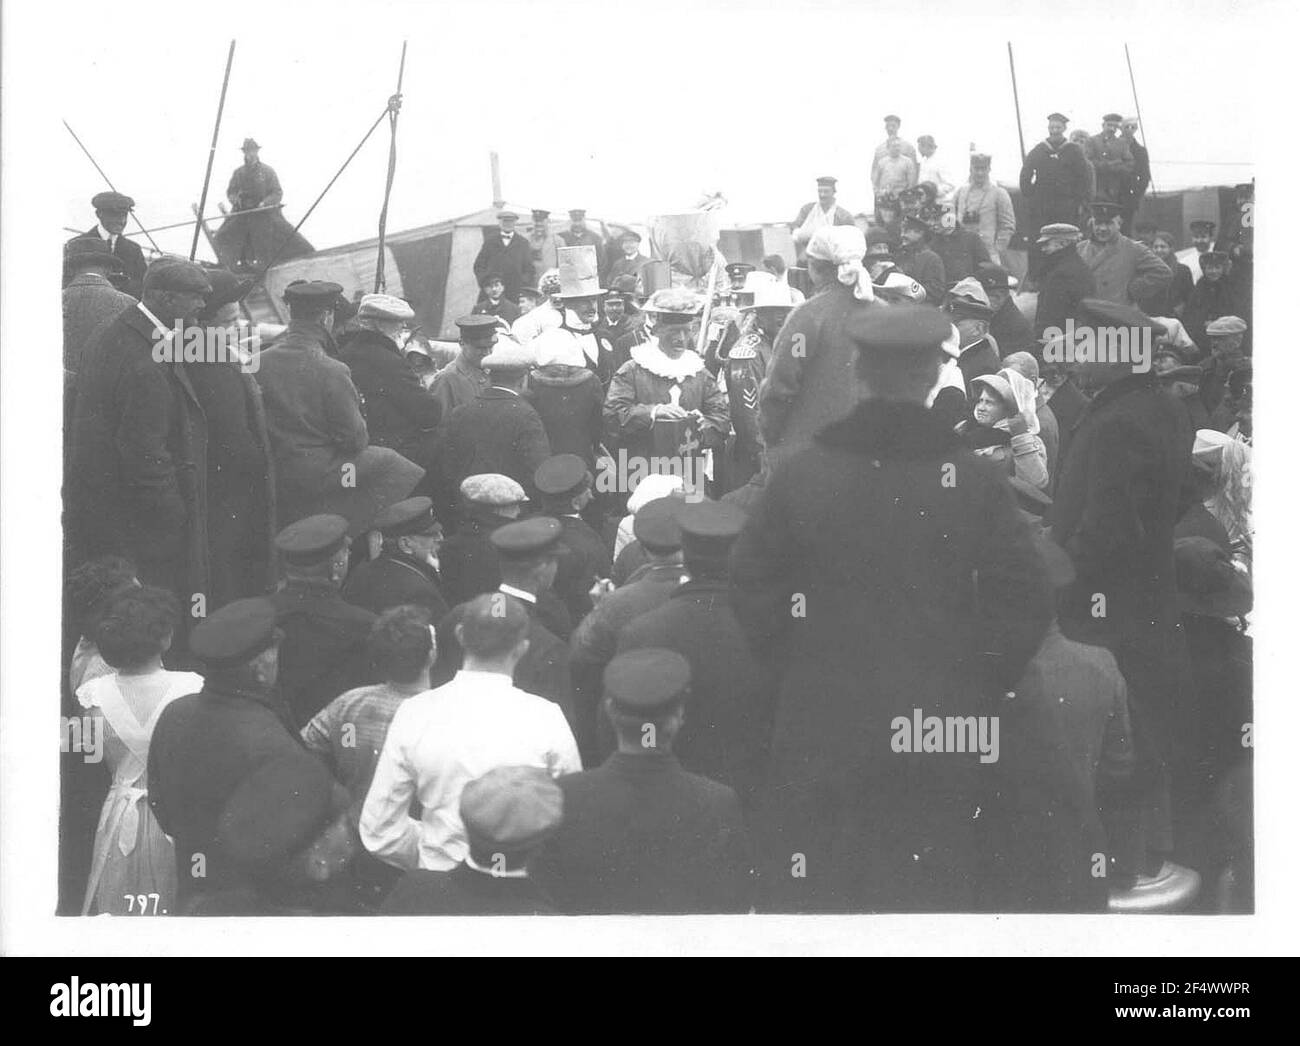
[(1125, 271)]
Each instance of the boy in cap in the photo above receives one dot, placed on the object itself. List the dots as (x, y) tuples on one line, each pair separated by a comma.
[(1124, 270), (324, 635), (499, 431), (507, 254), (399, 413), (442, 739), (1225, 337), (641, 835), (863, 525), (406, 570), (508, 814), (526, 557), (729, 712), (112, 210), (565, 488), (137, 469)]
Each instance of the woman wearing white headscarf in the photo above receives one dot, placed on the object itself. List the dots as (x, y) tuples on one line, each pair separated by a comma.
[(811, 380), (1222, 477), (1005, 411)]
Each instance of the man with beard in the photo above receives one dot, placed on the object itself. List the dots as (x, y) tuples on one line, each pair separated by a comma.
[(1137, 188), (1117, 500), (137, 481), (1064, 279), (744, 368), (579, 296), (1213, 296), (406, 571), (1113, 160), (1124, 270), (508, 255), (112, 209), (1053, 181)]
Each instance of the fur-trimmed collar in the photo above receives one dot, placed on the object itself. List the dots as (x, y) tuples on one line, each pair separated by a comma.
[(890, 428), (652, 358)]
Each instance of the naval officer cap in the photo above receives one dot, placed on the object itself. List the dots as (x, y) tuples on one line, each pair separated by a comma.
[(527, 539), (491, 488), (511, 807), (312, 539), (477, 327), (235, 633), (647, 681), (657, 527), (112, 202), (901, 327), (709, 527), (412, 516), (313, 292), (827, 180), (1225, 325), (1104, 210), (1112, 118), (1058, 116), (178, 276), (384, 307), (561, 474)]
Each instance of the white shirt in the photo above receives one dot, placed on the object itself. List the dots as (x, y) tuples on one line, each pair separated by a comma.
[(441, 740), (934, 168), (107, 236)]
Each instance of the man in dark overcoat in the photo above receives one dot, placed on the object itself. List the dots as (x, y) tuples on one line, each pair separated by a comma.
[(884, 576), (404, 573), (507, 254), (136, 485), (1064, 279), (112, 209)]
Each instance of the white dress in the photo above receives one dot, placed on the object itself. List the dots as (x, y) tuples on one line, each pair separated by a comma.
[(132, 856)]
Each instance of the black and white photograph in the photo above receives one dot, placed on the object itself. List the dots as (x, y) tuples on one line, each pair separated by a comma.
[(646, 477)]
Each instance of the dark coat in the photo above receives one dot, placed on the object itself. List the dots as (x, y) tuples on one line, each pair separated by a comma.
[(498, 432), (978, 358), (513, 263), (203, 747), (393, 580), (926, 268), (805, 391), (961, 252), (241, 482), (1172, 299), (871, 588), (543, 670), (323, 458), (1054, 182), (1011, 330), (583, 558), (130, 254), (464, 891), (399, 412), (729, 712), (641, 835), (1115, 506), (1064, 281), (1208, 301), (569, 401), (1068, 404), (324, 649), (505, 309), (137, 486), (90, 304)]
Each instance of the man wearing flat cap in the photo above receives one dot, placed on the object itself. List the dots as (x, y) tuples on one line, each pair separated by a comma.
[(1227, 359), (507, 253), (729, 710), (499, 431), (885, 562), (812, 216), (640, 834), (205, 747), (1125, 271), (324, 648), (136, 484), (399, 412), (508, 814), (1064, 278), (467, 562), (253, 185), (1116, 502), (324, 460), (405, 573), (1053, 182), (112, 210)]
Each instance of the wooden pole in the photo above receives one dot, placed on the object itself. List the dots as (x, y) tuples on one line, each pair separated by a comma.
[(498, 200), (212, 151), (394, 107), (1142, 124), (109, 183), (1015, 94)]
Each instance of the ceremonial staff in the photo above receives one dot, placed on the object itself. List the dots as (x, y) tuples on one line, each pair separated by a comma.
[(109, 182), (394, 107), (1015, 94), (212, 151), (1138, 106)]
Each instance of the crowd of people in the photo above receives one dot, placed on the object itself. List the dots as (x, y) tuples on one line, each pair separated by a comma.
[(847, 587)]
